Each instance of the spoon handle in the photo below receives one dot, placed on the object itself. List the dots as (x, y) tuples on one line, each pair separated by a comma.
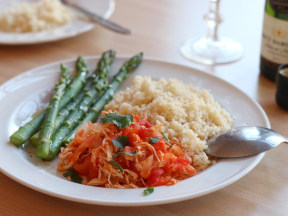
[(100, 20)]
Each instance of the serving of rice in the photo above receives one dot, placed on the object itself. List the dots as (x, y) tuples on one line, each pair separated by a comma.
[(186, 113), (35, 16)]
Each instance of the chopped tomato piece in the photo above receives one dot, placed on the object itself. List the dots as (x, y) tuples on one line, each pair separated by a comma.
[(160, 146), (154, 178)]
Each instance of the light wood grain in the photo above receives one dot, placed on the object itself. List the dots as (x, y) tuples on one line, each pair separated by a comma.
[(159, 27)]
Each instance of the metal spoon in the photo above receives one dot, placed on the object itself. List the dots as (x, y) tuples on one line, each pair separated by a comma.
[(243, 141), (100, 20)]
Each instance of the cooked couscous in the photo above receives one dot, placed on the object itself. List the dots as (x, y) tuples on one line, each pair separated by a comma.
[(186, 113)]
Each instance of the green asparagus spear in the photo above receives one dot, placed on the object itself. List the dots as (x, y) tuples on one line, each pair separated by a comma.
[(50, 114), (26, 131), (78, 83), (127, 68), (95, 110), (100, 84), (62, 114)]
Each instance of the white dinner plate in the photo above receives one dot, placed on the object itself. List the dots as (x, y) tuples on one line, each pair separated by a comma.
[(78, 26), (23, 95)]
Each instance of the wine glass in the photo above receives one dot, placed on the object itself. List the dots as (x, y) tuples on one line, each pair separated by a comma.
[(211, 49)]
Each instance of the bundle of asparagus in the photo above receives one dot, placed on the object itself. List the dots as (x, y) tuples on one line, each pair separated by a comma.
[(73, 103)]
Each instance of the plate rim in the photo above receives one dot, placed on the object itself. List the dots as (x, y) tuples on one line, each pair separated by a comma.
[(220, 186)]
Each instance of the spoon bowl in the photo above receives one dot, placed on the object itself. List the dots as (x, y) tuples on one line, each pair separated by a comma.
[(243, 141)]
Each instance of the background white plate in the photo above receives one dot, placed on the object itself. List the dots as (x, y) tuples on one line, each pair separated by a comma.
[(24, 94), (103, 8)]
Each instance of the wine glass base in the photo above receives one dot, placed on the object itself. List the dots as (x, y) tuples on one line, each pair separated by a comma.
[(209, 52)]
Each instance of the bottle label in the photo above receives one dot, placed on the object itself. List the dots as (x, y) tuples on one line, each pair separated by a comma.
[(275, 40), (280, 6)]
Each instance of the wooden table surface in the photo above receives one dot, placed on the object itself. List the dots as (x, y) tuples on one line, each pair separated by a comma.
[(159, 27)]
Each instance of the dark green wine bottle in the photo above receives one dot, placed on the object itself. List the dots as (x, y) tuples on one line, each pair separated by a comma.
[(274, 48)]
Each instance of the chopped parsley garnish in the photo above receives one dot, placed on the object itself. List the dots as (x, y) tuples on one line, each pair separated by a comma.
[(166, 139), (124, 153), (153, 140), (148, 191), (73, 176), (121, 142), (121, 121), (117, 165), (121, 153)]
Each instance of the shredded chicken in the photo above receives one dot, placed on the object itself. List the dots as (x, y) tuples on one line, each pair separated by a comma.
[(140, 163)]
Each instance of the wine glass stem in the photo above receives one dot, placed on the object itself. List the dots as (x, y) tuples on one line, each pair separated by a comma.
[(213, 18)]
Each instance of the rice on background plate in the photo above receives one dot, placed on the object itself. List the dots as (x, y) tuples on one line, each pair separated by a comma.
[(35, 16)]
